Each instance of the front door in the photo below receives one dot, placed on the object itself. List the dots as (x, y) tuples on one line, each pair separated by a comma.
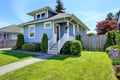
[(58, 32)]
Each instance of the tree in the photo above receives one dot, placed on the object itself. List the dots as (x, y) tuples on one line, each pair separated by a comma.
[(117, 15), (44, 43), (110, 16), (20, 41), (59, 7), (105, 26), (108, 41)]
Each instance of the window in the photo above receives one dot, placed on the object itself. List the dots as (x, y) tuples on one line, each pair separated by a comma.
[(43, 15), (38, 16), (47, 25), (31, 31)]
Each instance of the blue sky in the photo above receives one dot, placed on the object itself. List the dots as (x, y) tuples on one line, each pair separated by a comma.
[(88, 11)]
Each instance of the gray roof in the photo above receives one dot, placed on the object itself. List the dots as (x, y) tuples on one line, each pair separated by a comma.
[(42, 9), (58, 16), (11, 29)]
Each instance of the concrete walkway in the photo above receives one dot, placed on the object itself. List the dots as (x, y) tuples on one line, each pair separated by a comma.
[(20, 64)]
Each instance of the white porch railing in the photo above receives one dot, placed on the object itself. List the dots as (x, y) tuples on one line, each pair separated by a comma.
[(51, 42), (62, 41)]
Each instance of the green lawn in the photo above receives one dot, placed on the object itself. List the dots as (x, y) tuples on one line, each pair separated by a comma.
[(90, 66), (7, 57)]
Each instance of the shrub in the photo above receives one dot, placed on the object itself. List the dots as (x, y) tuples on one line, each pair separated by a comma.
[(76, 47), (90, 33), (34, 47), (25, 47), (117, 39), (44, 43), (108, 41), (66, 48), (114, 47), (78, 37), (20, 41), (14, 48)]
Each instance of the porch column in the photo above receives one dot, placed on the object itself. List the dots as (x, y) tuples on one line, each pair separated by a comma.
[(74, 30), (68, 30)]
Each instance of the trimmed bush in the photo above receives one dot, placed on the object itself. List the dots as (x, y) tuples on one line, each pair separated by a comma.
[(34, 47), (66, 48), (25, 47), (78, 37), (44, 43), (108, 41), (20, 41), (76, 47)]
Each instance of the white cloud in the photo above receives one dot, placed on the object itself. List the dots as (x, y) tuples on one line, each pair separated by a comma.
[(95, 15), (20, 7)]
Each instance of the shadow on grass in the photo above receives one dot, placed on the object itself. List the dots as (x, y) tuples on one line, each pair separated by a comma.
[(16, 54), (62, 57)]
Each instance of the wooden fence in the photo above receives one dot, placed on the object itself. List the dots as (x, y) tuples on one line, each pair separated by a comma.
[(94, 42)]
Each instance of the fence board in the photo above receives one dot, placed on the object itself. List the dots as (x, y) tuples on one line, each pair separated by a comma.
[(93, 42)]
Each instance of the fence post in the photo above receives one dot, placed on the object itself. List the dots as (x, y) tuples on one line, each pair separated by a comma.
[(98, 42), (88, 43)]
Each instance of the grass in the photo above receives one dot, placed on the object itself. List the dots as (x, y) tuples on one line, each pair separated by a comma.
[(90, 66), (116, 61), (7, 57)]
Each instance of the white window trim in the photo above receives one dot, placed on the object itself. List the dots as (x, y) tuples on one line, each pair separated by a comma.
[(29, 31), (47, 23)]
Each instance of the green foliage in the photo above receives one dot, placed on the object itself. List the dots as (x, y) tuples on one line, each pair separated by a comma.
[(44, 43), (78, 37), (25, 47), (76, 47), (34, 47), (20, 41), (110, 16), (115, 47), (118, 39), (14, 47), (59, 7), (66, 48), (90, 33), (108, 41)]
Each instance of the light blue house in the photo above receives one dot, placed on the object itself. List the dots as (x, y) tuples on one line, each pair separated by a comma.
[(59, 27)]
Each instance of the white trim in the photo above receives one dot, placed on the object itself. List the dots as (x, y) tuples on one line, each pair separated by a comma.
[(40, 13), (47, 23), (68, 30), (74, 29), (47, 14), (29, 31), (59, 31)]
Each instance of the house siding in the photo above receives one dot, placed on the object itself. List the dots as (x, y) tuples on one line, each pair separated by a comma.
[(71, 29), (62, 29), (39, 30), (50, 14)]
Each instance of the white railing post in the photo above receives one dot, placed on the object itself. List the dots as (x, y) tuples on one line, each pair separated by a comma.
[(51, 42), (67, 30), (61, 42)]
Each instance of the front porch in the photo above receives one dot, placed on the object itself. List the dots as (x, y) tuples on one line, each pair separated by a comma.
[(63, 31)]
